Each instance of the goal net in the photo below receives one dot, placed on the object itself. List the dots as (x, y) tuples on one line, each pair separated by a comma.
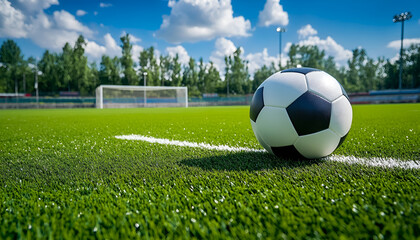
[(116, 96)]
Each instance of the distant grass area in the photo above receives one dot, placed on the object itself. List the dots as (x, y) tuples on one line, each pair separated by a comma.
[(63, 174)]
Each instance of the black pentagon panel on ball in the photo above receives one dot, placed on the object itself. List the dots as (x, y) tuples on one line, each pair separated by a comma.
[(257, 104), (301, 70), (287, 152), (309, 113)]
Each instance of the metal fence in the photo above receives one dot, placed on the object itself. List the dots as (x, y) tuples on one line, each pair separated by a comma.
[(90, 102), (374, 97)]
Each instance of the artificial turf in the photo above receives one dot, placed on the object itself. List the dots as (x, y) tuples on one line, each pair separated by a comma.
[(63, 174)]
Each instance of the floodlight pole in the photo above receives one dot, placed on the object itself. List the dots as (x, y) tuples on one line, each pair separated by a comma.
[(227, 87), (16, 87), (144, 81), (280, 30), (36, 86), (24, 83), (401, 18)]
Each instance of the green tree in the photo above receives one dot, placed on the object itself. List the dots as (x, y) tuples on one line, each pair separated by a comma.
[(130, 77), (261, 75), (228, 74), (363, 72), (190, 78), (148, 63), (391, 72), (65, 64), (51, 72), (176, 72), (411, 69), (28, 71), (306, 56), (80, 66), (239, 76), (154, 75), (201, 83), (165, 70), (212, 80), (109, 70), (11, 59), (93, 79), (292, 61), (413, 66)]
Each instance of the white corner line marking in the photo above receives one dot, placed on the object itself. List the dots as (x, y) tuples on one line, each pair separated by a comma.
[(374, 161)]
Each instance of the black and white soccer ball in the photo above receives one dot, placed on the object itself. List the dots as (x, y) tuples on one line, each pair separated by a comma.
[(301, 112)]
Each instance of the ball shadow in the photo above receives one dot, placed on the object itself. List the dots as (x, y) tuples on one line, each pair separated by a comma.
[(245, 161)]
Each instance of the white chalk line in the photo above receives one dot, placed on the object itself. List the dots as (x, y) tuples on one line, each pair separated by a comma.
[(374, 161), (187, 144)]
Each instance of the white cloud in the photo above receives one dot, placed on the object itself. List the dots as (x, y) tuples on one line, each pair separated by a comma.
[(184, 58), (273, 14), (33, 6), (44, 32), (18, 20), (407, 42), (12, 21), (53, 32), (94, 50), (111, 45), (66, 21), (136, 52), (110, 48), (223, 47), (306, 31), (132, 38), (257, 60), (194, 20), (136, 49), (81, 13), (54, 39), (104, 5), (329, 45)]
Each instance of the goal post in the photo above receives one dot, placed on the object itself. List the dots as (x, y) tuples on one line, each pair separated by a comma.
[(123, 96)]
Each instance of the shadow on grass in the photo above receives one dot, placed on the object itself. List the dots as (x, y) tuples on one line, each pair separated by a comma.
[(244, 161)]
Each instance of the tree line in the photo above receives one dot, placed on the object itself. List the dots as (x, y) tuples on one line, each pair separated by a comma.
[(70, 70)]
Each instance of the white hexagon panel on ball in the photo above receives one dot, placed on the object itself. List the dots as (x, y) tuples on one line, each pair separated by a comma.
[(275, 127), (281, 89), (324, 84), (341, 116)]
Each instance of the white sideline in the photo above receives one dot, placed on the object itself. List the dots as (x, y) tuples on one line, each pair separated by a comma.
[(374, 162)]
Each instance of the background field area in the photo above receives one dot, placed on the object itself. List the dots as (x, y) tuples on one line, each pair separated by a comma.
[(64, 174)]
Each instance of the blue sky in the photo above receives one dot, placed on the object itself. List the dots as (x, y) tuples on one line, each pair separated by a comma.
[(210, 28)]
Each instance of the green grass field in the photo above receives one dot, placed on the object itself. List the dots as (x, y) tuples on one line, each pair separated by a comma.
[(63, 174)]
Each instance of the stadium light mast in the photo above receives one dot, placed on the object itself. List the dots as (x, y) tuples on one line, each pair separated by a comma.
[(144, 81), (401, 18), (37, 73), (280, 30)]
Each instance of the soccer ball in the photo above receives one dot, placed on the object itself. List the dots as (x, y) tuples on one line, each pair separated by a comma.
[(301, 112)]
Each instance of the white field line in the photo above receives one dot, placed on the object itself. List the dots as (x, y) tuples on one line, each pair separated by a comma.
[(187, 144), (374, 162)]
